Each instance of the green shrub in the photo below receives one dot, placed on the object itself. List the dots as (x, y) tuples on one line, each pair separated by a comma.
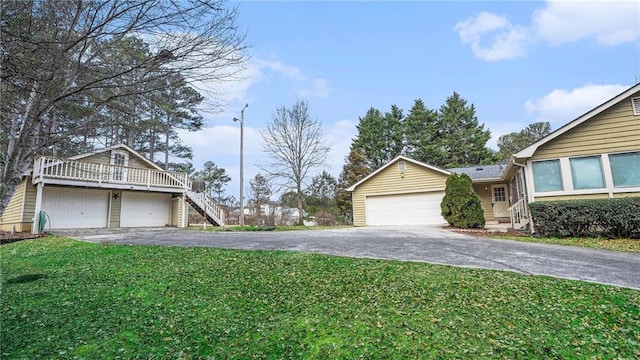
[(610, 218), (461, 206)]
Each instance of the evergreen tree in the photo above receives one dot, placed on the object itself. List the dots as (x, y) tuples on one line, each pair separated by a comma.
[(215, 179), (511, 143), (354, 170), (461, 206), (461, 139), (321, 194), (380, 136), (421, 133)]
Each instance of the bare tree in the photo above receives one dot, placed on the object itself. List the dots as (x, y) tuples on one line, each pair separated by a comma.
[(294, 144), (61, 56)]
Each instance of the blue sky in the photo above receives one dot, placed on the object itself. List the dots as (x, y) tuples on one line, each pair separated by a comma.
[(517, 62)]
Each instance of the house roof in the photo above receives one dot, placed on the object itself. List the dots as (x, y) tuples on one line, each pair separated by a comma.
[(400, 157), (482, 172), (119, 146), (531, 149)]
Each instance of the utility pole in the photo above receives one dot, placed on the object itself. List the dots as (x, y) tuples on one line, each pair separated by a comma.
[(241, 219)]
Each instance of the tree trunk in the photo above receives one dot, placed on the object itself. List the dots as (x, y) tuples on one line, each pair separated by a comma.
[(300, 211)]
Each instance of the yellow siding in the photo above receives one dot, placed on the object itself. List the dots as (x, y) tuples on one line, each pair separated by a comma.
[(105, 158), (572, 197), (630, 194), (416, 178), (116, 208), (176, 211), (30, 203), (485, 198), (614, 130), (12, 215)]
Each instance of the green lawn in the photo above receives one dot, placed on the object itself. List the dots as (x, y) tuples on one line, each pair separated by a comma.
[(68, 299), (626, 245)]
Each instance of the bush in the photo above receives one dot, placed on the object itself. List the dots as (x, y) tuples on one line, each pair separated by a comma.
[(610, 218), (461, 206)]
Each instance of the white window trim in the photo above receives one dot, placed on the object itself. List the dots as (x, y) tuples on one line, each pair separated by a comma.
[(567, 179)]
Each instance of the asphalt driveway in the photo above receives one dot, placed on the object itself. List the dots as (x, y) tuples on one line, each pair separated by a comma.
[(419, 243)]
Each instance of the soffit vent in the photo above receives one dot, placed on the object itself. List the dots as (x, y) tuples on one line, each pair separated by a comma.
[(635, 104)]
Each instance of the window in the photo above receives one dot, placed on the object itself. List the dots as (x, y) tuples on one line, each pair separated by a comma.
[(547, 176), (586, 173), (402, 166), (499, 194), (625, 169)]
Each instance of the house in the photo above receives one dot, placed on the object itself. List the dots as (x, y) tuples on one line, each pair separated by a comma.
[(596, 155), (108, 188)]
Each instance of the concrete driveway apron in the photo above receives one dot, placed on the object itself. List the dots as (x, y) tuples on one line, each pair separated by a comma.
[(408, 243)]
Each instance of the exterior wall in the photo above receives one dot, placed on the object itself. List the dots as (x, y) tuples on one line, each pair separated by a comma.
[(485, 197), (614, 130), (13, 213), (177, 211), (105, 158), (572, 197), (390, 181), (115, 209), (630, 194)]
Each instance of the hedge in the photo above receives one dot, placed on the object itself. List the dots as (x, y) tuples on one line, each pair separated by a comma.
[(609, 218)]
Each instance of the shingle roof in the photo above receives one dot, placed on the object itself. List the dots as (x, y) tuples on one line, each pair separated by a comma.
[(481, 172)]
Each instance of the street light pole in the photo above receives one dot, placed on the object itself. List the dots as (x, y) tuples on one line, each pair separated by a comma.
[(241, 219)]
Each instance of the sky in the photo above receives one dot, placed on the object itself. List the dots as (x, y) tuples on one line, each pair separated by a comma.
[(516, 62)]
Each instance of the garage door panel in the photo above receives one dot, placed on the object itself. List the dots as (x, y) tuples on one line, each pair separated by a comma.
[(405, 209), (75, 208), (145, 209)]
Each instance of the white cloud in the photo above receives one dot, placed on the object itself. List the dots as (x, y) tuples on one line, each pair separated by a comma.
[(507, 41), (320, 89), (339, 135), (561, 106), (558, 22), (609, 22)]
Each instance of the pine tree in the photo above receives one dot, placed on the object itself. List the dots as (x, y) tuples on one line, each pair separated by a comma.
[(461, 139), (509, 144), (354, 170), (421, 133), (380, 136)]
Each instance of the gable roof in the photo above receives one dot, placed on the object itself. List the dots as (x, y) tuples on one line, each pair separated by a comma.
[(482, 172), (115, 147), (531, 149), (400, 157)]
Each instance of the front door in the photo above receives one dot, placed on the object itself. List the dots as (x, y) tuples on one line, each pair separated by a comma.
[(499, 200)]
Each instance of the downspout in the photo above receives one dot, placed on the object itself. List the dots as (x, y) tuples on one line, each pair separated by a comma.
[(526, 189)]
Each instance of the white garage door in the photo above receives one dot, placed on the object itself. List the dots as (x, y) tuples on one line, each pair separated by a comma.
[(145, 209), (75, 208), (406, 209)]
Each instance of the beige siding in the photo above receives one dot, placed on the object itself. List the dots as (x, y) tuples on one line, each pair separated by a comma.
[(105, 158), (30, 203), (485, 198), (176, 211), (116, 208), (101, 158), (13, 213), (572, 197), (416, 178), (614, 130), (630, 194)]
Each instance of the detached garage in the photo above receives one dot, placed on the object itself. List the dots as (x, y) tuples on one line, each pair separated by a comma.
[(403, 192)]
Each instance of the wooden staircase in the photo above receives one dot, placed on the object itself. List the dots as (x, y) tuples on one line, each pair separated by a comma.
[(519, 215), (206, 207)]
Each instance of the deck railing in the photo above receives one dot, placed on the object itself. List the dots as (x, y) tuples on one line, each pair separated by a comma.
[(518, 214), (49, 167)]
